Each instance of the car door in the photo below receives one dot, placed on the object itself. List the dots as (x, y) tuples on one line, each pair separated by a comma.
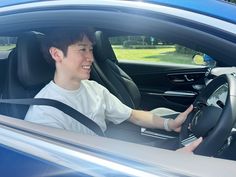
[(165, 73)]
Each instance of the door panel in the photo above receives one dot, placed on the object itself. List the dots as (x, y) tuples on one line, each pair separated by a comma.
[(169, 85)]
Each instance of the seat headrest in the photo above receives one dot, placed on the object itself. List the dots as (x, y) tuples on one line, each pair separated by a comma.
[(103, 49), (32, 68)]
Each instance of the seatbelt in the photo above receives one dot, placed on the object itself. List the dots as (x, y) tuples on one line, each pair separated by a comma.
[(62, 107)]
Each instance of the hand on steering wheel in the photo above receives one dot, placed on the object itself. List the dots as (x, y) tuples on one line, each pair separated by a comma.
[(176, 124), (191, 147), (212, 122)]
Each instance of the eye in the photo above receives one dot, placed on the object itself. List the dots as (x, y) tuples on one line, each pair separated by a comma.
[(82, 49)]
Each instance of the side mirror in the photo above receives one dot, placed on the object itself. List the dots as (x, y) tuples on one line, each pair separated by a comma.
[(198, 59), (204, 60)]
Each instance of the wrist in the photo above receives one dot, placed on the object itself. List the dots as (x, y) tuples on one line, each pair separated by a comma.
[(171, 124), (167, 125)]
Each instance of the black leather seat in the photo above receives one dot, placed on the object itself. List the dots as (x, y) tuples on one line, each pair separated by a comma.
[(115, 79), (111, 75), (107, 72), (27, 73)]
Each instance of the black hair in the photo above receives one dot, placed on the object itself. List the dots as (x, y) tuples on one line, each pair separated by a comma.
[(62, 38)]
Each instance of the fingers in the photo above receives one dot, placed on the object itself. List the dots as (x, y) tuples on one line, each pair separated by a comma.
[(178, 129), (191, 147), (187, 111), (194, 145), (177, 123), (181, 118)]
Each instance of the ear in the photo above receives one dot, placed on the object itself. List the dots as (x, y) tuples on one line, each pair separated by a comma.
[(56, 54)]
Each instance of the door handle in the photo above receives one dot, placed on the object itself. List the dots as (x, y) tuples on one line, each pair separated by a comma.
[(188, 79), (180, 94)]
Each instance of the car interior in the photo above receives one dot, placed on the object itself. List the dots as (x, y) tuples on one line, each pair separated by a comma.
[(24, 78), (142, 86), (106, 61), (165, 77)]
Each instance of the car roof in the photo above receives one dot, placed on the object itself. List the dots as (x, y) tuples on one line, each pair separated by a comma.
[(14, 2), (215, 8)]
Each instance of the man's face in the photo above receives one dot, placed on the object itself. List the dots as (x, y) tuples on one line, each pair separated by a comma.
[(77, 63)]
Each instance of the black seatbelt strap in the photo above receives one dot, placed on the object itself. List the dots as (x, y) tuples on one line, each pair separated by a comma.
[(62, 107)]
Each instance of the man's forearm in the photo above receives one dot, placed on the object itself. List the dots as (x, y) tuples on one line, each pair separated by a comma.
[(148, 119)]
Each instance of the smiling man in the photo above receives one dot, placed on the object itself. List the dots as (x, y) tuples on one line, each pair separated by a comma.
[(71, 51)]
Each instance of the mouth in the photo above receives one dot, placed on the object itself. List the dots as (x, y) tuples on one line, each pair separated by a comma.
[(87, 67)]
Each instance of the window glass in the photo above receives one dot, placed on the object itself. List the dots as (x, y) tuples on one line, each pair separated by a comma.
[(6, 45), (150, 49)]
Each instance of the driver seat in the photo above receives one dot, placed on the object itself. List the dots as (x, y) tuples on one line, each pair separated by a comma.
[(123, 87), (24, 77), (106, 65)]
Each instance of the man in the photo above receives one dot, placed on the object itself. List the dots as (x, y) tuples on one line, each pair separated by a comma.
[(72, 53)]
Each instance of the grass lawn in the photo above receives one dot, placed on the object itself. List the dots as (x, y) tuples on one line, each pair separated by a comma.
[(6, 47), (161, 54)]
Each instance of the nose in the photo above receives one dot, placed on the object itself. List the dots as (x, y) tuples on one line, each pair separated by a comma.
[(90, 56)]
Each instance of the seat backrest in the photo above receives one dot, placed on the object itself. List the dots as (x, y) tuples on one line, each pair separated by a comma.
[(27, 73), (112, 76)]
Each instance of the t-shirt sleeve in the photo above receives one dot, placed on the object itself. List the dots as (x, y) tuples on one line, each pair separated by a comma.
[(115, 111)]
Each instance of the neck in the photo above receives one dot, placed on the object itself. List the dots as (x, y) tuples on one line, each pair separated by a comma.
[(66, 83)]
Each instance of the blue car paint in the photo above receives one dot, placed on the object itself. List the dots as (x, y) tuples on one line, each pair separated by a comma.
[(215, 8), (14, 2), (26, 165)]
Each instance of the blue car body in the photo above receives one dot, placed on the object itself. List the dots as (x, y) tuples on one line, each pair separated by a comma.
[(14, 2), (208, 7), (216, 8), (18, 160)]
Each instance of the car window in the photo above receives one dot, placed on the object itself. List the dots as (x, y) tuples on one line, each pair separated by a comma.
[(6, 45), (150, 49)]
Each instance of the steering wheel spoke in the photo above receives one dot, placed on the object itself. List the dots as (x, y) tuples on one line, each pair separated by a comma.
[(212, 119), (187, 141)]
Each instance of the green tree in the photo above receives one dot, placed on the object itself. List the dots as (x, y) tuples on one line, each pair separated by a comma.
[(233, 1)]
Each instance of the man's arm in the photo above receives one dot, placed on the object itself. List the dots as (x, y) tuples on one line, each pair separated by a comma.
[(149, 120)]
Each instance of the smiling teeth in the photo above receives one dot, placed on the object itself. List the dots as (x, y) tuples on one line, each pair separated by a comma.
[(86, 67)]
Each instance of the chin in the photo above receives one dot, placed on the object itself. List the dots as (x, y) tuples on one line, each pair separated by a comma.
[(85, 77)]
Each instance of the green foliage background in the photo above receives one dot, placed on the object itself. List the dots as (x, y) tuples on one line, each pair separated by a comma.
[(234, 1)]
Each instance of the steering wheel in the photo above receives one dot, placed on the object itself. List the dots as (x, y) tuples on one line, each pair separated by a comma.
[(213, 123)]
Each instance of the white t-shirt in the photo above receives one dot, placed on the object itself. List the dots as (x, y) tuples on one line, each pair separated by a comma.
[(91, 99)]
